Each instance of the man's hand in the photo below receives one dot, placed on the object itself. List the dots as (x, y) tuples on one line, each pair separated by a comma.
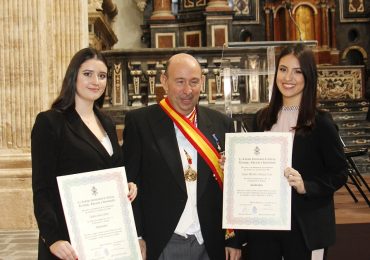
[(233, 253)]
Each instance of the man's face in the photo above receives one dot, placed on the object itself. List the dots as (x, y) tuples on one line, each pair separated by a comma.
[(183, 83)]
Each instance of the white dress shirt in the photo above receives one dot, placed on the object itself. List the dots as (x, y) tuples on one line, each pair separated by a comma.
[(189, 221)]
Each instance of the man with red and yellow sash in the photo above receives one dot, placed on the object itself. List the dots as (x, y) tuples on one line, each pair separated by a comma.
[(172, 151)]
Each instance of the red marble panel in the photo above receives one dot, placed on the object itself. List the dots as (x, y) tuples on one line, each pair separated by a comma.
[(193, 40), (220, 38), (165, 41)]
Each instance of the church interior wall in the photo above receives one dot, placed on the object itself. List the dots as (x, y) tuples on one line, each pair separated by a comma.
[(127, 25), (36, 44), (346, 37), (353, 32)]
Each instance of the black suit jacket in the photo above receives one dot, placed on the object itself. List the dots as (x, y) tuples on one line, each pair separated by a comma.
[(152, 160), (61, 144), (319, 157)]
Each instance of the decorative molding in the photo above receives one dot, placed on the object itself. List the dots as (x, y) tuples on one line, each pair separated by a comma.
[(252, 16), (141, 4), (193, 34), (95, 5), (117, 85), (241, 7), (212, 90), (218, 6), (337, 83), (101, 35), (276, 10), (216, 29), (313, 7), (167, 38), (194, 3), (358, 48), (349, 13)]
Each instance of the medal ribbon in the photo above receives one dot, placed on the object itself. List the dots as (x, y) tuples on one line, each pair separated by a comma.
[(200, 143), (188, 158), (197, 139)]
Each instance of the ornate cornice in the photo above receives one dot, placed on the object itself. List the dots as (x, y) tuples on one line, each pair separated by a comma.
[(101, 29)]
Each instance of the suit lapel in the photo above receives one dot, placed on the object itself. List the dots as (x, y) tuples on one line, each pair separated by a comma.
[(165, 137), (80, 129), (204, 171)]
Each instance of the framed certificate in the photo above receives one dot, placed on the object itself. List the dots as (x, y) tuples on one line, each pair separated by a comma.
[(99, 215), (256, 193)]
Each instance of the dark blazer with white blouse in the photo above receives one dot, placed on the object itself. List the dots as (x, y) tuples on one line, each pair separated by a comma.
[(61, 144), (153, 162), (319, 157)]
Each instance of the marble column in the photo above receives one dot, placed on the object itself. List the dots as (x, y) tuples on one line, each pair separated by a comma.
[(268, 13), (162, 10), (332, 29), (334, 52), (324, 25), (37, 40), (318, 29), (217, 5), (288, 28)]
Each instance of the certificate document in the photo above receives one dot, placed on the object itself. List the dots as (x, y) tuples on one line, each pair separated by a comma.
[(99, 215), (256, 193)]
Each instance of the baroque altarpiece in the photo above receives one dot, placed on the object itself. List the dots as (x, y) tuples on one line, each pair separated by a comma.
[(209, 29)]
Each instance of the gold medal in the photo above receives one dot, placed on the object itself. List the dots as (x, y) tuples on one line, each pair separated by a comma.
[(190, 174)]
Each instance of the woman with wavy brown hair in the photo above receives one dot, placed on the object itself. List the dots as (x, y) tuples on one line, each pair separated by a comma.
[(73, 136), (319, 166)]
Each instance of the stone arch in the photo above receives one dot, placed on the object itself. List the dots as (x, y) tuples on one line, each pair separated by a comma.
[(305, 3), (276, 10), (304, 16), (359, 49), (245, 35), (280, 29)]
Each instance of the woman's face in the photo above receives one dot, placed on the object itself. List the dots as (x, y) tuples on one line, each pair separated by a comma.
[(290, 80), (91, 81)]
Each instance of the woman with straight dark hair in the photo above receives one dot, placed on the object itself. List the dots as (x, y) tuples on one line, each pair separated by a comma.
[(318, 162), (72, 137)]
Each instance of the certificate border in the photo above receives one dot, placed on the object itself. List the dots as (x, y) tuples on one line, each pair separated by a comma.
[(285, 141), (66, 183)]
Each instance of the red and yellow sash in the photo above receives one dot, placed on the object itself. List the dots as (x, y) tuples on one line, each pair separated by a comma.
[(200, 143), (197, 139)]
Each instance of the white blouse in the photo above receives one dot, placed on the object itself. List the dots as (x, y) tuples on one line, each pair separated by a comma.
[(107, 144), (287, 119)]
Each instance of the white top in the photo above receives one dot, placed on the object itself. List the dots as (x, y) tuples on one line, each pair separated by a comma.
[(189, 220), (107, 144), (287, 119)]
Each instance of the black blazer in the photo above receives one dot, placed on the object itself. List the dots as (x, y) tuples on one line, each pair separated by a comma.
[(152, 160), (61, 144), (319, 158)]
